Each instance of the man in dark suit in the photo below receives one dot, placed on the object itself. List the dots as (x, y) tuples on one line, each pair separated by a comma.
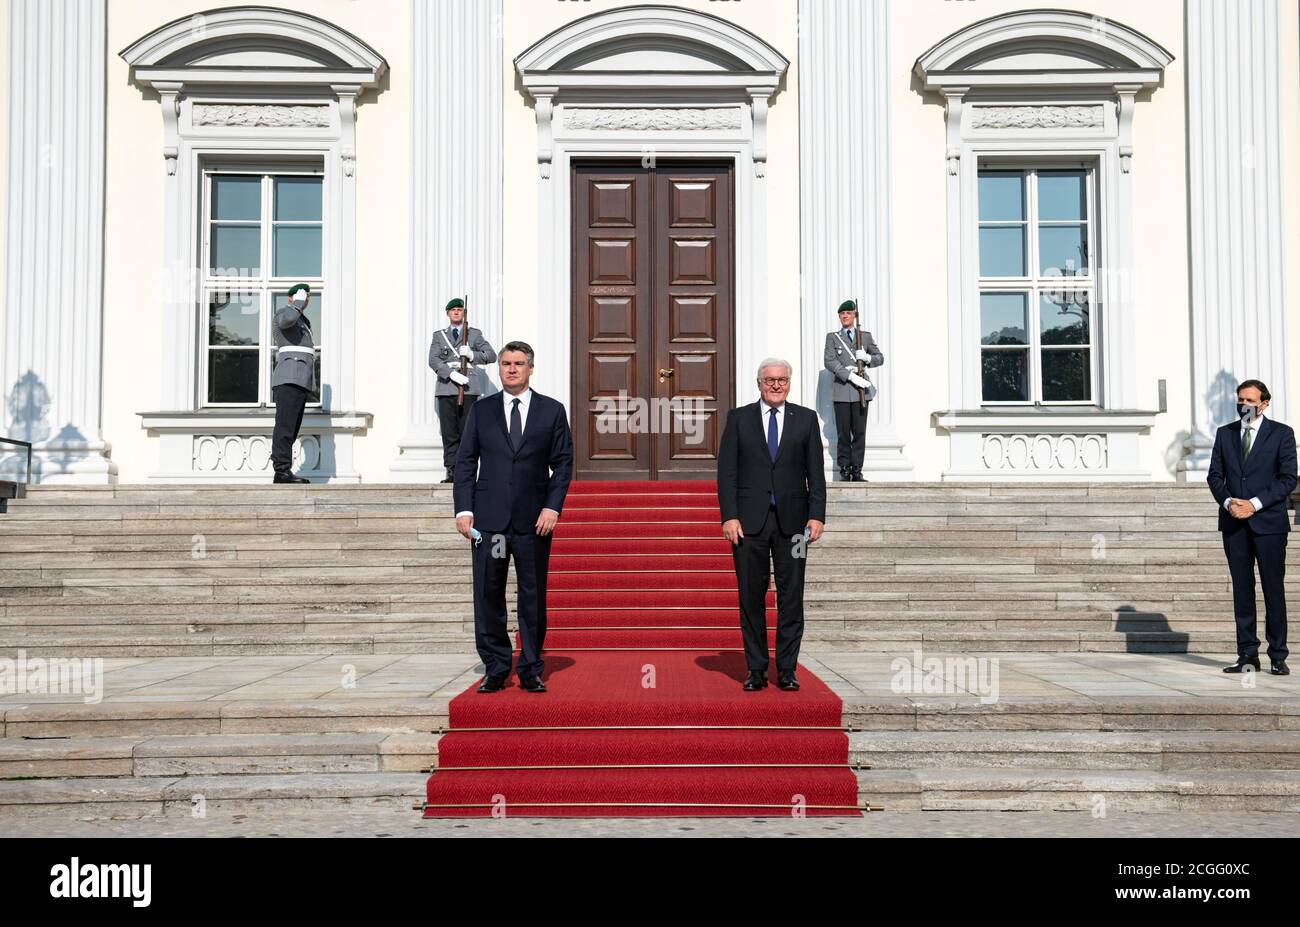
[(512, 474), (1252, 474), (772, 493)]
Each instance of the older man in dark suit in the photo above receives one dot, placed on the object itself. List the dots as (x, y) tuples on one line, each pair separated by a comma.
[(1252, 475), (512, 474), (772, 493)]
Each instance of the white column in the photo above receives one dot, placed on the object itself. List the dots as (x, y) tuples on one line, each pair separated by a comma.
[(1235, 161), (456, 209), (50, 366), (846, 244)]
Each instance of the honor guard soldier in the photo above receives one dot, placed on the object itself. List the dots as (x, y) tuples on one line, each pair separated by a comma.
[(293, 381), (849, 352), (452, 354)]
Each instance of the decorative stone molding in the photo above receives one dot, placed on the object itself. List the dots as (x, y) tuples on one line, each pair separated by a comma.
[(1037, 117), (251, 115), (462, 103), (848, 252), (599, 85), (653, 120), (1051, 84), (1237, 181), (238, 84), (1049, 443), (51, 336), (235, 446)]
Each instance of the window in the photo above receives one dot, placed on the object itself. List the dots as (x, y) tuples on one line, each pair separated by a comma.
[(263, 233), (1037, 285)]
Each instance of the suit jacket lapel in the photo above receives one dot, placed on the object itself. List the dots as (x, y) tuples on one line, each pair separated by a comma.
[(783, 430), (531, 424), (788, 415)]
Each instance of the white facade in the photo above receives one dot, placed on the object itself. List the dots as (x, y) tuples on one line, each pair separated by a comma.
[(869, 140)]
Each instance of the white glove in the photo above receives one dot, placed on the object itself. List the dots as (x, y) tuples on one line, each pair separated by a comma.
[(859, 382), (465, 352), (459, 378), (862, 356)]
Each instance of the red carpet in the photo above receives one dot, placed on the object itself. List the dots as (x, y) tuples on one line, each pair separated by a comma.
[(644, 713)]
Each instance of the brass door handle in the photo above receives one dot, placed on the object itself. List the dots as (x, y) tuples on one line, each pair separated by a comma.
[(665, 373)]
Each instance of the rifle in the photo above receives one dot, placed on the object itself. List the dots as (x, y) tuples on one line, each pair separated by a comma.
[(464, 361), (862, 369)]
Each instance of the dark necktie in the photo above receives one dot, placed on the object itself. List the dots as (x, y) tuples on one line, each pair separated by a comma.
[(455, 336), (849, 338), (516, 426), (772, 444)]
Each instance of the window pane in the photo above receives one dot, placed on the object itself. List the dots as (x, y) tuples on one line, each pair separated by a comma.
[(297, 199), (236, 197), (1066, 377), (236, 251), (1064, 318), (313, 311), (1062, 250), (1002, 252), (1002, 196), (232, 375), (232, 318), (1062, 196), (1006, 377), (297, 251), (1003, 318)]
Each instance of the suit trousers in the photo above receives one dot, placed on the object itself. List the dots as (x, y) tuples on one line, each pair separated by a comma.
[(1245, 549), (451, 420), (290, 401), (851, 435), (753, 557), (492, 555)]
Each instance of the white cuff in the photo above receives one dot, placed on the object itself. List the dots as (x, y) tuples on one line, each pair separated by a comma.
[(1256, 503), (463, 514), (1227, 503)]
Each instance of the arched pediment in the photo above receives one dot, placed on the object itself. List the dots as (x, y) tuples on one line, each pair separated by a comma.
[(652, 39), (263, 44), (1060, 47)]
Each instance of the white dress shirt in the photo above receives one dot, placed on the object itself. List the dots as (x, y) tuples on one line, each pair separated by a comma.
[(1253, 428), (780, 419), (524, 399)]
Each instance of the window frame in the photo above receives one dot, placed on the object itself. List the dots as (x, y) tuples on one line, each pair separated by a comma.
[(266, 285), (1035, 283)]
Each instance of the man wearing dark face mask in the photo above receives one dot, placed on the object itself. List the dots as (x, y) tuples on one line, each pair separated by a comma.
[(1252, 474)]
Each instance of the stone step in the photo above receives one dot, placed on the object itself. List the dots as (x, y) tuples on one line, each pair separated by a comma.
[(1095, 791), (1028, 750), (187, 796), (216, 754)]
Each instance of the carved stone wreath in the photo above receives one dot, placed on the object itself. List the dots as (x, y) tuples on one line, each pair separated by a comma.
[(653, 119), (261, 116), (1037, 117)]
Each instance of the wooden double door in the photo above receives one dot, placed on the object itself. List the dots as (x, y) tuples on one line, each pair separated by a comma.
[(653, 318)]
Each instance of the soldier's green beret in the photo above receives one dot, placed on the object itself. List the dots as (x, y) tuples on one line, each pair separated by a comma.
[(299, 286), (848, 305), (456, 303)]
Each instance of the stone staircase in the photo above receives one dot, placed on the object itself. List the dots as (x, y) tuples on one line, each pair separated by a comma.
[(174, 571), (200, 572)]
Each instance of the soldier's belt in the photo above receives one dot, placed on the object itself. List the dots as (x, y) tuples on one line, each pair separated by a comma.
[(291, 349)]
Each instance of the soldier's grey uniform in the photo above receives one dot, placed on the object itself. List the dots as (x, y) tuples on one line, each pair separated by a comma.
[(293, 381), (850, 416), (444, 357)]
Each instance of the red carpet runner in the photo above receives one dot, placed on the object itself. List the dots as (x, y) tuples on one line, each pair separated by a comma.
[(644, 713)]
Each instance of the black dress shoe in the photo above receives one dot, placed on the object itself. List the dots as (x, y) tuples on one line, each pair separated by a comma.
[(1242, 663), (1279, 668), (284, 476), (493, 683), (755, 681), (449, 480), (788, 681), (532, 684)]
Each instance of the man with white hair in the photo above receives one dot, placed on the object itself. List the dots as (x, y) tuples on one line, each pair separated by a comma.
[(772, 493)]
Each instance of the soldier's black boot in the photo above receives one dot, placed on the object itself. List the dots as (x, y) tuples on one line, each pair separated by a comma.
[(846, 475)]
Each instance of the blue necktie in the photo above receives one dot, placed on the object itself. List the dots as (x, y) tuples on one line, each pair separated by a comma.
[(848, 337), (455, 336), (516, 426), (772, 444)]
